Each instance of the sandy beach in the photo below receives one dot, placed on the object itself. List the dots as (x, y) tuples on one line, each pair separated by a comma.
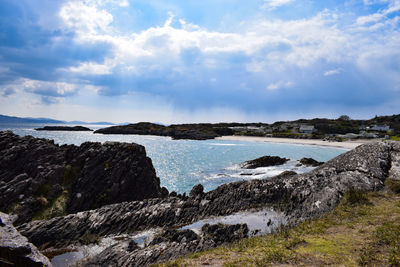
[(315, 142)]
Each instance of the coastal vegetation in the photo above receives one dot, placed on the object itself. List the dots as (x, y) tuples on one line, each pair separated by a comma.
[(362, 231), (339, 129)]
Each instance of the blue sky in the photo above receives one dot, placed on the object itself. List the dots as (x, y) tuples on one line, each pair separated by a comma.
[(199, 61)]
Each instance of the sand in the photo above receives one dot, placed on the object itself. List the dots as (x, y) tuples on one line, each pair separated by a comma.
[(315, 142)]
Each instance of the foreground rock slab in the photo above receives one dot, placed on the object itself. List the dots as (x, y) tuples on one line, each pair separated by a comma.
[(15, 250), (40, 179)]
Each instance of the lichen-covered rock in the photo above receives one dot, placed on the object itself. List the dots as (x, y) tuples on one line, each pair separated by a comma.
[(265, 161), (40, 179), (15, 250)]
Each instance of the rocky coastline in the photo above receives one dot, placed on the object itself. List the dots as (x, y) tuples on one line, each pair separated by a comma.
[(298, 197)]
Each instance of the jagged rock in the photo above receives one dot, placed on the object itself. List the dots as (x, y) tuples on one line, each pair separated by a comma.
[(197, 190), (170, 245), (15, 250), (310, 162), (40, 179), (265, 161), (64, 128)]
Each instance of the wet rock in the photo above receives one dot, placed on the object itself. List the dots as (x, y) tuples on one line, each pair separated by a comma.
[(15, 250), (265, 161), (310, 162), (40, 179)]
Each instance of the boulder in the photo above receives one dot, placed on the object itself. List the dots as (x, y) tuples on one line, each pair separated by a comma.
[(40, 179), (310, 162), (265, 161), (15, 250)]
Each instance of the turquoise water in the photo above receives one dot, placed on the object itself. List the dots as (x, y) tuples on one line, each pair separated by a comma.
[(181, 164)]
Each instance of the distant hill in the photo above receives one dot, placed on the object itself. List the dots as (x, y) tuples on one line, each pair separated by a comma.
[(10, 119)]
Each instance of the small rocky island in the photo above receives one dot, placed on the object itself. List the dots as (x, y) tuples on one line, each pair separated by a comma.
[(181, 131), (64, 128), (122, 174)]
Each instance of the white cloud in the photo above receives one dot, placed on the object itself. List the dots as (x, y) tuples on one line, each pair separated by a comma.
[(279, 85), (333, 72), (85, 18), (92, 68), (272, 4)]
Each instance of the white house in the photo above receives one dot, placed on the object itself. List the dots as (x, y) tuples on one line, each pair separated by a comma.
[(308, 129), (380, 128)]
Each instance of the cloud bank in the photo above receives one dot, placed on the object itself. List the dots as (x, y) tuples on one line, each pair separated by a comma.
[(94, 55)]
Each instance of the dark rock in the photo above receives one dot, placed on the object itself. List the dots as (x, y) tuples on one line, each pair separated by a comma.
[(173, 194), (15, 250), (221, 233), (164, 192), (265, 161), (197, 190), (286, 174), (310, 162), (63, 128), (174, 235), (132, 246), (39, 179)]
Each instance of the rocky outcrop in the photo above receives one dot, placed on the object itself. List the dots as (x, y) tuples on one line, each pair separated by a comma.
[(299, 196), (310, 162), (169, 245), (40, 179), (63, 128), (15, 250), (265, 161), (179, 131)]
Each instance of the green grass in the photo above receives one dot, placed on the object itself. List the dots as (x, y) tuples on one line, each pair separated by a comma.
[(363, 230), (394, 138)]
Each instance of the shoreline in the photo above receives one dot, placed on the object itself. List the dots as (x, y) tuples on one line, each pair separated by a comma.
[(350, 144)]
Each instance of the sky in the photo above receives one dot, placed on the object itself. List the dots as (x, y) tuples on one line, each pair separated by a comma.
[(174, 61)]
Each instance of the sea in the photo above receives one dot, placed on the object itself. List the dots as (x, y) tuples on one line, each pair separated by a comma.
[(181, 164)]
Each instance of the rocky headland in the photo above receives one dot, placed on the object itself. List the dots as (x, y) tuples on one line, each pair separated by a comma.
[(64, 128), (181, 131), (40, 179), (297, 197)]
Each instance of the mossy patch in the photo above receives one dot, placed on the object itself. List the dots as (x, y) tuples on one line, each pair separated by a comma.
[(393, 184), (54, 208)]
